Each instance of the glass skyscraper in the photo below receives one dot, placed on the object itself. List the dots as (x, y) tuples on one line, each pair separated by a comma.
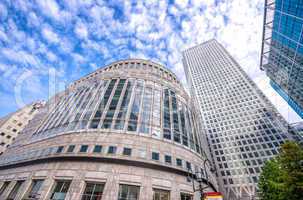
[(282, 49), (243, 128)]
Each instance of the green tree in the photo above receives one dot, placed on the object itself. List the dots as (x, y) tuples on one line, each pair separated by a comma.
[(282, 176)]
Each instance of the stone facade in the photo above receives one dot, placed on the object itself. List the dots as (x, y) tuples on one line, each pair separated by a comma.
[(75, 139)]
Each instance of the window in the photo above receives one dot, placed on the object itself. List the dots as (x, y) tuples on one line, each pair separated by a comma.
[(93, 191), (34, 191), (161, 194), (155, 156), (4, 186), (179, 162), (127, 151), (167, 159), (128, 192), (60, 190), (13, 194), (135, 110), (188, 165), (185, 196), (60, 149), (112, 149), (97, 149), (83, 148), (70, 148)]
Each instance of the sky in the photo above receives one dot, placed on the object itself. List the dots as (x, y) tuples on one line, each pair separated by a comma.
[(46, 44)]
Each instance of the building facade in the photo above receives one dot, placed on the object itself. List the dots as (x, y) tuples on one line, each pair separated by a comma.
[(282, 49), (243, 128), (297, 128), (12, 124), (127, 131)]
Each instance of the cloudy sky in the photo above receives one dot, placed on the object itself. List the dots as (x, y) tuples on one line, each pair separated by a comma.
[(46, 44)]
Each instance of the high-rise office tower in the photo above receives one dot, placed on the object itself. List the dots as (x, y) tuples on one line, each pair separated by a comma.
[(282, 49), (127, 131), (243, 128), (12, 124)]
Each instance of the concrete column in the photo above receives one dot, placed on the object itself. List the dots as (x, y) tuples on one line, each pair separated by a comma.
[(111, 189), (47, 187)]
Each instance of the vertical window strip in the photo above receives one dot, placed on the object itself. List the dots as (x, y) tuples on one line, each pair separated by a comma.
[(74, 117), (175, 117), (56, 112), (73, 109), (183, 127), (166, 116), (135, 110), (70, 108), (93, 104), (189, 128), (51, 114), (120, 121), (146, 110), (98, 114), (107, 122), (156, 113), (61, 110)]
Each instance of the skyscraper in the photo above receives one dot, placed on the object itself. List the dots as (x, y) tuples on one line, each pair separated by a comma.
[(243, 128), (127, 131), (12, 124), (282, 49)]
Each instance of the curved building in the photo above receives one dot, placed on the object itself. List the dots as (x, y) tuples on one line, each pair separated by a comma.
[(126, 131)]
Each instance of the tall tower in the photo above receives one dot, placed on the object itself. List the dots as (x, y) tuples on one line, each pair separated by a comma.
[(243, 128), (282, 49)]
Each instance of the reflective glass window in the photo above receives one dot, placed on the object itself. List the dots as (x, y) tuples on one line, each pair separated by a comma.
[(120, 121), (128, 192), (93, 191), (113, 105), (102, 105), (166, 116), (135, 110), (60, 189), (146, 110)]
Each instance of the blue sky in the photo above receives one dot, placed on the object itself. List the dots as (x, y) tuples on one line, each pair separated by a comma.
[(46, 44)]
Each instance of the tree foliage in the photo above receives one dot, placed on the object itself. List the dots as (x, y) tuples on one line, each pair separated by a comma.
[(282, 177)]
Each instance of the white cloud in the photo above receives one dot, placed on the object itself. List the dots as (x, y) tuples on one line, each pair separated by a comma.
[(182, 3), (49, 8), (21, 56), (3, 36), (51, 56), (50, 35), (81, 30)]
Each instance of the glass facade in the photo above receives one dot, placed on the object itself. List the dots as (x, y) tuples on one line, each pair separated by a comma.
[(282, 49), (244, 130), (131, 104)]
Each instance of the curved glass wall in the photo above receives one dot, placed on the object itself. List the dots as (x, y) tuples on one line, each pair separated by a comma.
[(128, 105)]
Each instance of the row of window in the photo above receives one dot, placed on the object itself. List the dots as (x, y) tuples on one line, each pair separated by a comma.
[(111, 150), (92, 191), (144, 67)]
